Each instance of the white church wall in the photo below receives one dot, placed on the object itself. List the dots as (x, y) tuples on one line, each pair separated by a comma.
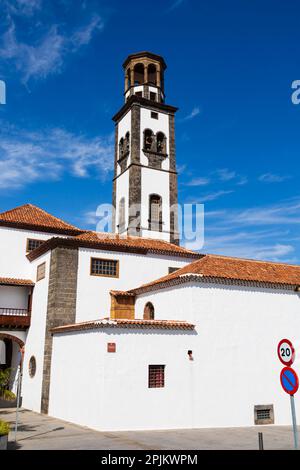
[(236, 364), (110, 391), (93, 298), (32, 386), (13, 261)]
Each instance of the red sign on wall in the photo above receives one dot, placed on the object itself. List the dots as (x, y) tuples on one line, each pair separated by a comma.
[(111, 347)]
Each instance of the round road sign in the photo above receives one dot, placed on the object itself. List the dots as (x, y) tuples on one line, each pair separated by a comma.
[(289, 380), (286, 352)]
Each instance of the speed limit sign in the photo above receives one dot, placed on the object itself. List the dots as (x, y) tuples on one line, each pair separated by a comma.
[(286, 352)]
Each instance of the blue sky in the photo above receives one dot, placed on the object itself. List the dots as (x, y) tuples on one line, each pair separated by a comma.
[(230, 69)]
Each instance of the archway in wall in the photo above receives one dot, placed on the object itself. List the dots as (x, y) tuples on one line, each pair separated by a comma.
[(149, 311), (10, 348)]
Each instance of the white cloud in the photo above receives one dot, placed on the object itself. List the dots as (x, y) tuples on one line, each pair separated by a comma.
[(265, 232), (242, 180), (83, 35), (90, 218), (198, 182), (22, 7), (192, 114), (276, 252), (284, 213), (226, 175), (272, 178), (176, 4), (181, 168), (46, 56), (214, 196), (26, 156)]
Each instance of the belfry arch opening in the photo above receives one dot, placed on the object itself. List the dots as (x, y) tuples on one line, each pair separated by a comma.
[(138, 74), (148, 139), (152, 78), (161, 143)]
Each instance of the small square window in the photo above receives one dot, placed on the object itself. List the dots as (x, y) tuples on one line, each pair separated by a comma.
[(156, 377), (104, 267), (32, 244), (154, 115), (152, 96), (41, 272), (263, 414)]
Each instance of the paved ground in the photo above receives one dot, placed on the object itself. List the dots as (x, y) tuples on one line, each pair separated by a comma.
[(42, 432)]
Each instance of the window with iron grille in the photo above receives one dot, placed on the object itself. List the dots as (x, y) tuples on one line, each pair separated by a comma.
[(156, 378), (104, 267), (154, 115), (41, 272), (264, 414), (32, 244)]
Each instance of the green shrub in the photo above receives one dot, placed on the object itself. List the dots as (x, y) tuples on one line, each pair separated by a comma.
[(4, 380), (8, 395), (4, 428)]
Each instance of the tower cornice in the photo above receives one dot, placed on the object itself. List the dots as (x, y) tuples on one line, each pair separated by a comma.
[(134, 99), (145, 54)]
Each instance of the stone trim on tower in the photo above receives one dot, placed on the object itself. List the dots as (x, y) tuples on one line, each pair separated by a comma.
[(173, 183), (114, 195), (150, 123), (61, 308)]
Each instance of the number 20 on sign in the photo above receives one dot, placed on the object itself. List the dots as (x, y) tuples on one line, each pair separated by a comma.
[(286, 352)]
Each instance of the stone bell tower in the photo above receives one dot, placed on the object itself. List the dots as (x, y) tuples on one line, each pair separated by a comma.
[(145, 177)]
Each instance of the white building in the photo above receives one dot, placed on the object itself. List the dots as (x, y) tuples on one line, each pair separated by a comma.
[(132, 331)]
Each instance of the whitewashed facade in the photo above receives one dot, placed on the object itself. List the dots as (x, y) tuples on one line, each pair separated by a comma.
[(104, 345)]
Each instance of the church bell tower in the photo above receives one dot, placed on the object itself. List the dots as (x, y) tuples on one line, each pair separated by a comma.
[(145, 177)]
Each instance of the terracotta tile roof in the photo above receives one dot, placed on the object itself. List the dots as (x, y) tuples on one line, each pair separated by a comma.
[(124, 323), (33, 218), (112, 242), (122, 293), (233, 269), (8, 281), (148, 244)]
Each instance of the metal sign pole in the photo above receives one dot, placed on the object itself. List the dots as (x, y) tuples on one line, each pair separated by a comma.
[(294, 421)]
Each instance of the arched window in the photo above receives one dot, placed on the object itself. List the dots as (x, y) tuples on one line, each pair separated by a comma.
[(121, 215), (155, 213), (148, 139), (152, 74), (138, 74), (149, 311), (121, 148), (161, 142), (127, 142)]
